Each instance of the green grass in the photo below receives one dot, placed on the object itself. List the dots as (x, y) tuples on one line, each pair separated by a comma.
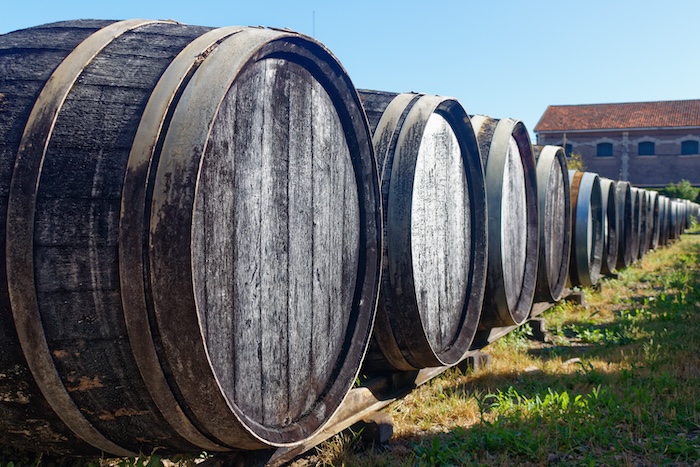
[(619, 384)]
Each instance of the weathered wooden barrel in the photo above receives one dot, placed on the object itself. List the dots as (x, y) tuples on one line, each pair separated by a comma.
[(643, 222), (674, 220), (677, 218), (554, 195), (433, 196), (693, 211), (623, 194), (664, 218), (654, 222), (636, 221), (513, 223), (680, 206), (587, 228), (193, 237), (611, 227)]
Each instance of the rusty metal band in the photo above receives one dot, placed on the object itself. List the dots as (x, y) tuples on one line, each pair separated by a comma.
[(131, 229), (20, 231)]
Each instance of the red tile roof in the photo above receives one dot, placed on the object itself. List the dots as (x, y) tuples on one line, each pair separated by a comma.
[(660, 114)]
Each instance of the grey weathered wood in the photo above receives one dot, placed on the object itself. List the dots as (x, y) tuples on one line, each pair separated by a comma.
[(372, 396), (554, 222), (433, 196), (280, 188), (511, 188), (636, 222)]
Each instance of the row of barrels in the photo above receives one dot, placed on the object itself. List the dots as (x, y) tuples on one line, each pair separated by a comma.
[(616, 224), (208, 233)]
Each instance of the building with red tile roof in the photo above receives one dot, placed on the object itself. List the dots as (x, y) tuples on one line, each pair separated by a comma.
[(650, 144)]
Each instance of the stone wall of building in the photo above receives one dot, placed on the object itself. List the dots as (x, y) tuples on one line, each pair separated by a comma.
[(666, 165)]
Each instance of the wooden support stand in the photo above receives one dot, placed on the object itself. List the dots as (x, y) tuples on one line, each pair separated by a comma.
[(539, 329), (376, 428), (475, 362)]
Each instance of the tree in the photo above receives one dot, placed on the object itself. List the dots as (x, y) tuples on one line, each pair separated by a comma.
[(681, 190), (575, 162)]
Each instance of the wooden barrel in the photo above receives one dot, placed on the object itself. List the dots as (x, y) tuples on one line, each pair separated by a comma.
[(623, 194), (587, 228), (674, 220), (643, 222), (433, 196), (693, 211), (513, 224), (680, 206), (610, 225), (664, 230), (636, 221), (654, 222), (193, 237), (553, 193)]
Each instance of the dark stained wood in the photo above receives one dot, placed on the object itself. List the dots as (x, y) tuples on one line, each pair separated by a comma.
[(513, 221), (554, 222), (643, 222), (663, 220), (373, 395), (93, 134), (433, 195)]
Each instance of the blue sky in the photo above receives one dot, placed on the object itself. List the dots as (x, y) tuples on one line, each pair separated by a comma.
[(503, 58)]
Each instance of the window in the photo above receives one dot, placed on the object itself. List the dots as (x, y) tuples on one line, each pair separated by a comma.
[(646, 148), (689, 147), (568, 150), (604, 150)]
